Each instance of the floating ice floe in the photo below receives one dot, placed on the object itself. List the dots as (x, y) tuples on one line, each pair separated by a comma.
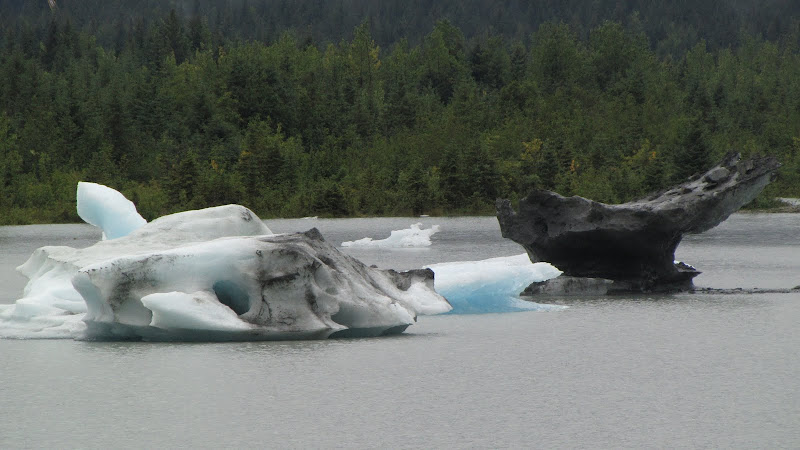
[(491, 285), (212, 274), (414, 236), (795, 202)]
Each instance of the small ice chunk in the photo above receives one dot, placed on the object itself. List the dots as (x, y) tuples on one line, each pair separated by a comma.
[(789, 201), (108, 209), (491, 285), (414, 236)]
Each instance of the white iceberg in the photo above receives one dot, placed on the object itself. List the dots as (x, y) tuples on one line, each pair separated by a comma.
[(491, 285), (106, 208), (212, 274), (414, 236)]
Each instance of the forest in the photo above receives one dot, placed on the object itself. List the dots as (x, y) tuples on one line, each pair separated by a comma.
[(344, 108)]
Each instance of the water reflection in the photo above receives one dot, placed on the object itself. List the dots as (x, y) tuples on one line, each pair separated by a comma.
[(138, 349)]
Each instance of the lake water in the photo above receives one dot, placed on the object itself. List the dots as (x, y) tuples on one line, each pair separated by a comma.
[(677, 371)]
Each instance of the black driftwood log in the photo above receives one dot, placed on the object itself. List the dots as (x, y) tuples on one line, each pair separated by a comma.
[(633, 244)]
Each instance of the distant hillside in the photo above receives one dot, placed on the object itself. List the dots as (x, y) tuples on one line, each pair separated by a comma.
[(671, 26), (348, 108)]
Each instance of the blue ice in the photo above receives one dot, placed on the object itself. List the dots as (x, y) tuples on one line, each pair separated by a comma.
[(491, 285)]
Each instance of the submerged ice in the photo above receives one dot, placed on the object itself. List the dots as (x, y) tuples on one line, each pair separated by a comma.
[(212, 274), (491, 285), (414, 236)]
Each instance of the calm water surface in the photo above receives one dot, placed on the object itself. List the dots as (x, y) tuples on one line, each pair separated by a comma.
[(683, 371)]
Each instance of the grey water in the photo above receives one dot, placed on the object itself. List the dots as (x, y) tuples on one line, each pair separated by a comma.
[(672, 371)]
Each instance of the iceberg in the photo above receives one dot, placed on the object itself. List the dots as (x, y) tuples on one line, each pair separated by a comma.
[(491, 285), (108, 209), (284, 286), (414, 236), (212, 274)]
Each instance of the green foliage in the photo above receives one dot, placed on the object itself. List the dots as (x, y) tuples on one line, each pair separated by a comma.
[(151, 199), (188, 111)]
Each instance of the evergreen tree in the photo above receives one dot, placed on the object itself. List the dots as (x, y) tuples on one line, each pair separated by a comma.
[(191, 110), (693, 156)]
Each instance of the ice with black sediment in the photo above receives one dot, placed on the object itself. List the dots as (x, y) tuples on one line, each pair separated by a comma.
[(211, 274)]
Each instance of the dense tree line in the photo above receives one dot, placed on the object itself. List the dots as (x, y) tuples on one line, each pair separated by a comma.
[(176, 117)]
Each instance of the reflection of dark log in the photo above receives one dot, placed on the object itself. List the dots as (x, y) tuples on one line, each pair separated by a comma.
[(634, 243)]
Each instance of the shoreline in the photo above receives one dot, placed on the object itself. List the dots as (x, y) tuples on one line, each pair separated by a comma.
[(18, 216), (772, 210)]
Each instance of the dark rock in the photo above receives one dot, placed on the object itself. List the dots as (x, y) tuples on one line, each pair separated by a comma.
[(566, 285), (633, 243)]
